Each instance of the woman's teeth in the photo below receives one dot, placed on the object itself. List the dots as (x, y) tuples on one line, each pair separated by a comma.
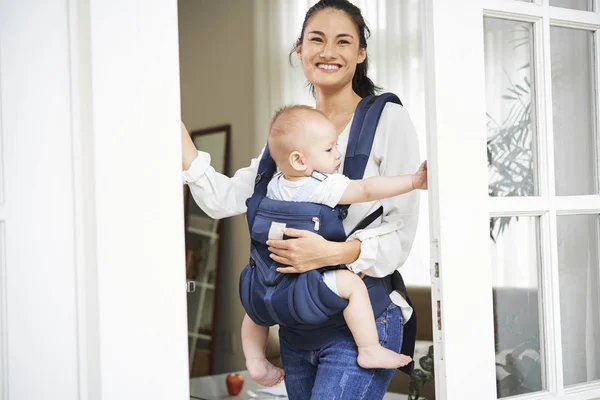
[(328, 67)]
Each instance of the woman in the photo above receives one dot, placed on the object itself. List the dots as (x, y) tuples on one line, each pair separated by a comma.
[(333, 51)]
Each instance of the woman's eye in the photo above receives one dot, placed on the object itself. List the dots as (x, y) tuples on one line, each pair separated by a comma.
[(329, 150), (343, 42), (316, 39)]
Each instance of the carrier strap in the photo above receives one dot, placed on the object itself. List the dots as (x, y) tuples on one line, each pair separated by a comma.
[(394, 282), (362, 133), (368, 220), (361, 225)]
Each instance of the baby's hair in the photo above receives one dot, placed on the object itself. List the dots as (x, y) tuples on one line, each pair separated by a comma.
[(290, 117), (285, 127)]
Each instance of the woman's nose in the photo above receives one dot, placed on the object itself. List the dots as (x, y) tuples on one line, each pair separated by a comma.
[(328, 51)]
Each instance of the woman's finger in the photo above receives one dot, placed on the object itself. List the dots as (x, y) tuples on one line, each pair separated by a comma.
[(287, 270), (280, 252), (296, 233), (279, 259), (278, 244)]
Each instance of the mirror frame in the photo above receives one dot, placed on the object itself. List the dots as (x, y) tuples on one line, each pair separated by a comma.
[(226, 128)]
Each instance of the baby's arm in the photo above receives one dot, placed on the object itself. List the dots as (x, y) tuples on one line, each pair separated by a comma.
[(383, 187)]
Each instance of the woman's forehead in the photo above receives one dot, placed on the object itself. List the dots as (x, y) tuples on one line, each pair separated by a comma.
[(331, 22)]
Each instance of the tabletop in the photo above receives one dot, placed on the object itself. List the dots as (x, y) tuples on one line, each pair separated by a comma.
[(214, 387)]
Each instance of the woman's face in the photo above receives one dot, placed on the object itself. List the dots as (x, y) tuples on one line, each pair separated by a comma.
[(330, 49)]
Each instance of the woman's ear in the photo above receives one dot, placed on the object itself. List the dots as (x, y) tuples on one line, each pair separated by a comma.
[(299, 50), (362, 54), (297, 161)]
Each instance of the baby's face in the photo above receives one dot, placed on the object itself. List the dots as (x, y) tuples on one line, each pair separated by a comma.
[(321, 152)]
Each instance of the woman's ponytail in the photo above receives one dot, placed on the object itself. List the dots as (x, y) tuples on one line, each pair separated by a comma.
[(361, 83)]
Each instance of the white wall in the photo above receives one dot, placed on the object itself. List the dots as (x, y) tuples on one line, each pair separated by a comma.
[(92, 291), (216, 59), (38, 297)]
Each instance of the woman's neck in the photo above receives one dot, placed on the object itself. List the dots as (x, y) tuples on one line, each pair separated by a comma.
[(337, 103)]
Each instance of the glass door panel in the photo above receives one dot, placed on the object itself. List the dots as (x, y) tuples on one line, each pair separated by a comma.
[(575, 154), (583, 5), (516, 266), (510, 118), (579, 267)]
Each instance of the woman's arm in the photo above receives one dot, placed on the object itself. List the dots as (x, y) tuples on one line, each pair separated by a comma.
[(216, 194), (385, 248), (376, 251), (189, 151)]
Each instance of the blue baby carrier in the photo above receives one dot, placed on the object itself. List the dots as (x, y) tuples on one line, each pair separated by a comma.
[(296, 300)]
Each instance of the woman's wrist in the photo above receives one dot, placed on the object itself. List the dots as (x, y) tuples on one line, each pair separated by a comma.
[(344, 252), (189, 152)]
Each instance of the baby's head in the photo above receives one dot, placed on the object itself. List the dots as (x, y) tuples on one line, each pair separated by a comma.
[(303, 140)]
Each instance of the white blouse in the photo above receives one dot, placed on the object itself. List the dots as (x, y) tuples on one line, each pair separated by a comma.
[(385, 245)]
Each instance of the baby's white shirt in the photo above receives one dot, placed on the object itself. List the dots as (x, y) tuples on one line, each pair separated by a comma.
[(329, 191)]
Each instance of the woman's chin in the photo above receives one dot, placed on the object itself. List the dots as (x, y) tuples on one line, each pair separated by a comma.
[(329, 84)]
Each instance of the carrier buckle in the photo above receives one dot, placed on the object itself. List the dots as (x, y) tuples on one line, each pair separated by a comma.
[(343, 213)]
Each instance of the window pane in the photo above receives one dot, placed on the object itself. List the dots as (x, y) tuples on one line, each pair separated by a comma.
[(572, 109), (516, 292), (583, 5), (578, 242), (510, 112)]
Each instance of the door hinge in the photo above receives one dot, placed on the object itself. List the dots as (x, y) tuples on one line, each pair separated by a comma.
[(435, 258), (190, 286)]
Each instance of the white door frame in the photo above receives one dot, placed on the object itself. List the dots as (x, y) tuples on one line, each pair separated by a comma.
[(459, 227), (460, 210)]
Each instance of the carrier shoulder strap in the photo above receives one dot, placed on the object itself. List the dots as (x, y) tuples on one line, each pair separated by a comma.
[(362, 133), (266, 170)]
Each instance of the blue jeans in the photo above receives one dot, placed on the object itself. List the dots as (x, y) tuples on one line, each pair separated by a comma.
[(331, 372)]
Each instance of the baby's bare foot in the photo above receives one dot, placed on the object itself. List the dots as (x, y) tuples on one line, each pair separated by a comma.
[(264, 373), (380, 357)]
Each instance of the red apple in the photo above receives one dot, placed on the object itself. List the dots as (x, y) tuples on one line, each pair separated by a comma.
[(235, 382)]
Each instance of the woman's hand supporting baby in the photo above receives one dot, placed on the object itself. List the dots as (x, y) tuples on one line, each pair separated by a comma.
[(307, 251)]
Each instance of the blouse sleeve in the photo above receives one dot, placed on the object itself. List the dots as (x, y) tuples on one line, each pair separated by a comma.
[(386, 247), (218, 195)]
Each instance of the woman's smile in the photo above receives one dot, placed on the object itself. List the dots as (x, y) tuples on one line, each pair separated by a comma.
[(327, 67)]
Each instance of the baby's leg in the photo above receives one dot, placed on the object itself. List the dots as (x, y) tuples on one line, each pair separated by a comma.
[(254, 341), (361, 321)]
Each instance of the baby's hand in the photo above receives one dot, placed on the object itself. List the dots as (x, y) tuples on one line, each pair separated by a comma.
[(420, 177)]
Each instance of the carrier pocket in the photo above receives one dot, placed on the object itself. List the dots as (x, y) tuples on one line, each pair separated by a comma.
[(267, 273), (266, 224)]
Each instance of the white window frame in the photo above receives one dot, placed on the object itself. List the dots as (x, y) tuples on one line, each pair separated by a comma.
[(547, 206), (442, 36)]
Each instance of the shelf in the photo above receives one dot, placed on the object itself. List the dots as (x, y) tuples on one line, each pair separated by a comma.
[(200, 336), (202, 232), (205, 285)]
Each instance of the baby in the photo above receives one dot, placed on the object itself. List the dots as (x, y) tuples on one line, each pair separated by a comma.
[(302, 142)]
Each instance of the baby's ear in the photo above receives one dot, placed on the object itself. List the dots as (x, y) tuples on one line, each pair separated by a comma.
[(297, 161)]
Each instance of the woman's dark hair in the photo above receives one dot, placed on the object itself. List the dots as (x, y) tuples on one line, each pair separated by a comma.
[(361, 83)]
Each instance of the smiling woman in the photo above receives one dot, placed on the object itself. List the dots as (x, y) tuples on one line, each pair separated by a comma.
[(332, 48)]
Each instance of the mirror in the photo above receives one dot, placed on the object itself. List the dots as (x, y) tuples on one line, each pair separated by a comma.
[(203, 249)]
